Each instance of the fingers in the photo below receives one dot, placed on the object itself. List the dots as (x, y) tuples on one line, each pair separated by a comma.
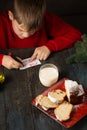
[(40, 53), (10, 63), (42, 56), (37, 55), (13, 65), (34, 56), (16, 65)]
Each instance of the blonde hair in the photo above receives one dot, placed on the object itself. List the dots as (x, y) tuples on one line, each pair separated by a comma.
[(29, 12)]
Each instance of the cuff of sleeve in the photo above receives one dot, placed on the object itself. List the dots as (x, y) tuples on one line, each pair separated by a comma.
[(1, 57)]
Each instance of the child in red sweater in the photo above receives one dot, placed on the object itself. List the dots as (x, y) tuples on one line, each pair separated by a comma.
[(27, 25)]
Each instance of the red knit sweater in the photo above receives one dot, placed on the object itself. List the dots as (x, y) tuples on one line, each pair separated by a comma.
[(54, 34)]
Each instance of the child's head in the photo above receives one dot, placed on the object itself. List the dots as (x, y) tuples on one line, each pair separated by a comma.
[(27, 16)]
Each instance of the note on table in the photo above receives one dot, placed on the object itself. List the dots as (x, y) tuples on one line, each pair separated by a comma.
[(28, 64)]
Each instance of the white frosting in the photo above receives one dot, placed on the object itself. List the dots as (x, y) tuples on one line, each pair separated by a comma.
[(48, 76), (81, 90), (71, 85), (54, 100)]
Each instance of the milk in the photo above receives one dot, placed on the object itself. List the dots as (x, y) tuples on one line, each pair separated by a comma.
[(48, 75)]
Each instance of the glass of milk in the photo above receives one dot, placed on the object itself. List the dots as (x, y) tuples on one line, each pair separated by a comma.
[(48, 74)]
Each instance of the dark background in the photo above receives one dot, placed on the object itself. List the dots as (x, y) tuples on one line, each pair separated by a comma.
[(72, 11)]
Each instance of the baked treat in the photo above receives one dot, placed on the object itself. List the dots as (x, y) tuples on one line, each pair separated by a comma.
[(73, 91), (57, 96), (63, 111), (45, 102)]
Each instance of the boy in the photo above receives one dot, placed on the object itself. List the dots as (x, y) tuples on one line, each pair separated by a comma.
[(27, 25)]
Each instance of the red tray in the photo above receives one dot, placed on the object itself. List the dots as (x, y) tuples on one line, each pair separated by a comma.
[(80, 110)]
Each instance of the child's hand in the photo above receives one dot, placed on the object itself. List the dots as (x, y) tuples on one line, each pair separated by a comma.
[(40, 53), (10, 63)]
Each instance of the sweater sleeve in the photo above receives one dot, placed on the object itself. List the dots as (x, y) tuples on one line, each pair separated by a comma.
[(1, 56), (62, 34)]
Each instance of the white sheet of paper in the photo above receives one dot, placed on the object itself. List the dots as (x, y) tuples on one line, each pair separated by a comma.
[(28, 64)]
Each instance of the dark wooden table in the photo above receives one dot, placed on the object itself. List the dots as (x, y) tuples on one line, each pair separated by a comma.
[(20, 87)]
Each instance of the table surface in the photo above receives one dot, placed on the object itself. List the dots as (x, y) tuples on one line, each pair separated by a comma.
[(22, 86)]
